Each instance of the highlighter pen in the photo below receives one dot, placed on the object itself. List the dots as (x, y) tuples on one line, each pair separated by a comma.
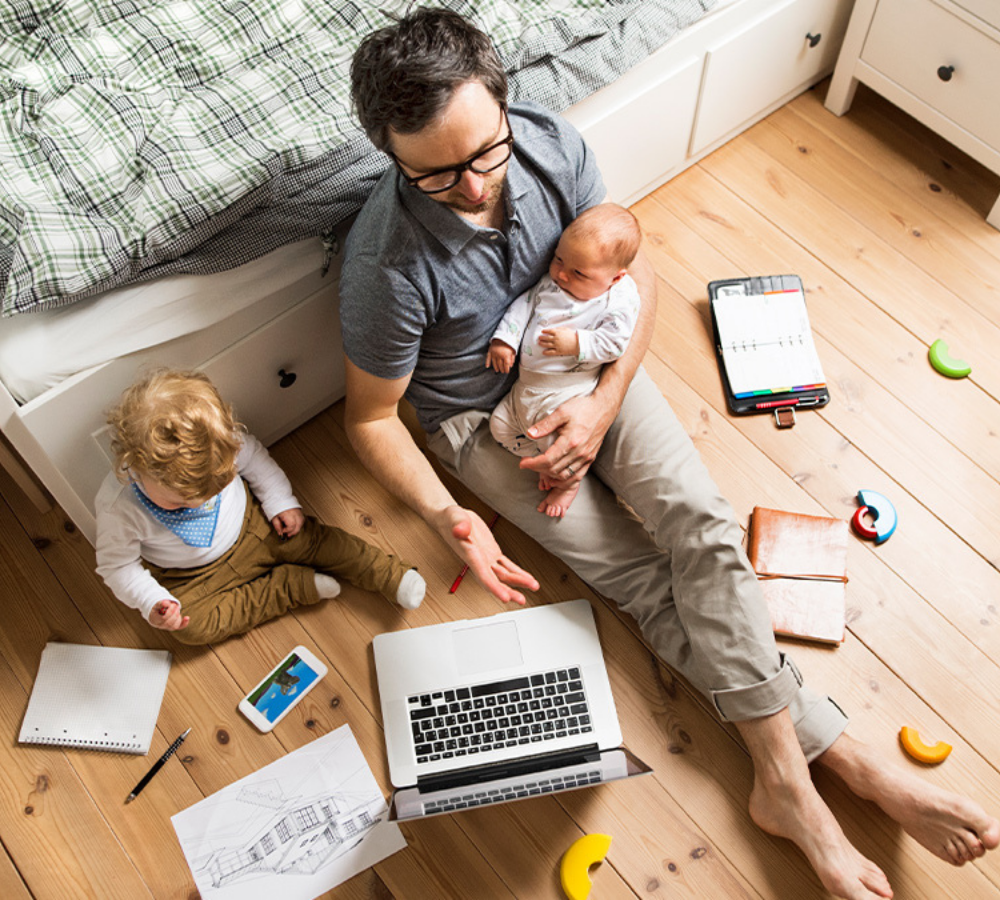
[(171, 750), (461, 575)]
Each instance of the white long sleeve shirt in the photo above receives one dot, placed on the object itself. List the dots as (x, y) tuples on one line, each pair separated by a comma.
[(127, 532), (604, 325)]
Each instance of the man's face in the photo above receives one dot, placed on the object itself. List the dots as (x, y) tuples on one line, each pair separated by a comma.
[(472, 122)]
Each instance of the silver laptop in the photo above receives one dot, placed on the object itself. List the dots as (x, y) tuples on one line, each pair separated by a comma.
[(490, 710)]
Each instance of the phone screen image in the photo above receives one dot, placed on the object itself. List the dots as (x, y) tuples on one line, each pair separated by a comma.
[(282, 688)]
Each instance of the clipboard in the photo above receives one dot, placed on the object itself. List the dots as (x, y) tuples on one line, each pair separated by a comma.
[(764, 347)]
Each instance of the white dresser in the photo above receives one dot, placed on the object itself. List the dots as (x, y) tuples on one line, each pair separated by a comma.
[(939, 60)]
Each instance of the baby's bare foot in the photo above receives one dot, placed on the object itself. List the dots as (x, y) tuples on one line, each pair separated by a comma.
[(557, 501)]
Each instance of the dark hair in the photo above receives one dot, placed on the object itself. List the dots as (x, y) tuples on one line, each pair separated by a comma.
[(404, 75)]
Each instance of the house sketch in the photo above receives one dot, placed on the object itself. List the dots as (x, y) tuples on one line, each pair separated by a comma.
[(293, 829), (301, 837)]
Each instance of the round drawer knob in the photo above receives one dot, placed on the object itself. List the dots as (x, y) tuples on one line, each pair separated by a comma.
[(945, 72), (814, 39), (286, 379)]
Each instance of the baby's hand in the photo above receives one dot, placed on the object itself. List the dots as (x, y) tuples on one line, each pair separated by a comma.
[(289, 523), (167, 615), (559, 342), (500, 356)]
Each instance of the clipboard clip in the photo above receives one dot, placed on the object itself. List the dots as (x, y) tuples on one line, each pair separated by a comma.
[(784, 416)]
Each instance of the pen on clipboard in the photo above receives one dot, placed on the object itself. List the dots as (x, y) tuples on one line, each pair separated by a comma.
[(461, 575), (803, 402), (171, 750)]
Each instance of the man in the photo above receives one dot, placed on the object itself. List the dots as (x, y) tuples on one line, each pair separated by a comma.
[(465, 221)]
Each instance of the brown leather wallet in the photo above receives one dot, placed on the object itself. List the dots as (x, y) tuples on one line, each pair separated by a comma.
[(801, 562)]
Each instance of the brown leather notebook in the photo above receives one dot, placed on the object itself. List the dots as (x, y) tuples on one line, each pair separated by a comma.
[(801, 562)]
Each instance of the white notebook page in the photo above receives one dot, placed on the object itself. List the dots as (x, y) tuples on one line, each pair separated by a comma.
[(101, 698)]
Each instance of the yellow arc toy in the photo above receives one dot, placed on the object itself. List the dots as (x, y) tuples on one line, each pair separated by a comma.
[(576, 862)]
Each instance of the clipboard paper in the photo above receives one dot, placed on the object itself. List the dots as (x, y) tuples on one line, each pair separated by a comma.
[(764, 338)]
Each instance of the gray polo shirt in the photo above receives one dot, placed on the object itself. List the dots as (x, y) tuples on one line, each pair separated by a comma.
[(423, 289)]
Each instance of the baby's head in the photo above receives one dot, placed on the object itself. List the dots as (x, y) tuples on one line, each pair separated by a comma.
[(595, 251), (175, 437)]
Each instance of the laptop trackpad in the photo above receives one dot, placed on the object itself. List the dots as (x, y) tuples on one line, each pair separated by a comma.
[(485, 647)]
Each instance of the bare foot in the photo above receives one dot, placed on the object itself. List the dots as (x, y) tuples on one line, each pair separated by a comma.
[(951, 826), (798, 813), (557, 501)]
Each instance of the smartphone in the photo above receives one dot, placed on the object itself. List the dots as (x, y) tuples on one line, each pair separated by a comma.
[(284, 686)]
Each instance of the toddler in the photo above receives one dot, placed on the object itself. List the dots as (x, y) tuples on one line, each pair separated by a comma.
[(197, 526), (578, 317)]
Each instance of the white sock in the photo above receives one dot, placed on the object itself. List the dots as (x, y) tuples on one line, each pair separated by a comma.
[(411, 590), (326, 585)]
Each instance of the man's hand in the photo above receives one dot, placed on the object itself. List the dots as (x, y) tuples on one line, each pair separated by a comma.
[(581, 424), (470, 537), (500, 356), (167, 615), (289, 522), (559, 342)]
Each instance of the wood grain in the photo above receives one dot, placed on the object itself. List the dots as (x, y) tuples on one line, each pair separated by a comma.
[(884, 222)]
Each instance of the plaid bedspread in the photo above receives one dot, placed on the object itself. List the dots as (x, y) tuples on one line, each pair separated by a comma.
[(147, 137)]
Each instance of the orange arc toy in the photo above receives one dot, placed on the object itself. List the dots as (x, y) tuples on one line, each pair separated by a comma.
[(925, 753)]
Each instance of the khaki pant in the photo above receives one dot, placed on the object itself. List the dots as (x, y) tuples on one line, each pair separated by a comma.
[(679, 569), (263, 576)]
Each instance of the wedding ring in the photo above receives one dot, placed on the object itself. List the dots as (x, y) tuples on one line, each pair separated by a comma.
[(570, 469)]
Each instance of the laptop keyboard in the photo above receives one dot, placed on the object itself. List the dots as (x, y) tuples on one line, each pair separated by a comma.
[(527, 789), (483, 717)]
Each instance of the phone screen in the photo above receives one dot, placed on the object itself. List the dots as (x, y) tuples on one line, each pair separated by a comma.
[(282, 687)]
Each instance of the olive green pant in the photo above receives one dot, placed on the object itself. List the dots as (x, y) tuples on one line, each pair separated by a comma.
[(262, 576)]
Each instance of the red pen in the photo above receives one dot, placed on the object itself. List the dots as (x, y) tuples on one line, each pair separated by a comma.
[(461, 575)]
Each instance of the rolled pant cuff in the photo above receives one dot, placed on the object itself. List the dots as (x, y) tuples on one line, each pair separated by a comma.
[(822, 724), (765, 698)]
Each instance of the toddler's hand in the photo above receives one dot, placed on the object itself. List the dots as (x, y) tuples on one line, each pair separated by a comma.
[(559, 342), (500, 356), (167, 615), (289, 523)]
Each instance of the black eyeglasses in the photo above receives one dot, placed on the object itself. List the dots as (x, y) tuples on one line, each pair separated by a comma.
[(485, 161)]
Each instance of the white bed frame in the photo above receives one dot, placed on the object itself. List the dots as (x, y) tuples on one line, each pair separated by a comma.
[(731, 68)]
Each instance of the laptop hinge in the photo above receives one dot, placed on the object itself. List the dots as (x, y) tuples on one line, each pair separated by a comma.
[(443, 781)]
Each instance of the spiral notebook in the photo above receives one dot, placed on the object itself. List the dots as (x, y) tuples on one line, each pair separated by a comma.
[(97, 698)]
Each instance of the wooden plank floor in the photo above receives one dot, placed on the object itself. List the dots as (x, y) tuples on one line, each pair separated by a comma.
[(884, 222)]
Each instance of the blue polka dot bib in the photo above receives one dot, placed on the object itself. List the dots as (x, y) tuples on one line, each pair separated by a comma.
[(196, 527)]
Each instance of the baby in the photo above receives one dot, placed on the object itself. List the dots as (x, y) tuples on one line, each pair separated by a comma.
[(197, 526), (578, 317)]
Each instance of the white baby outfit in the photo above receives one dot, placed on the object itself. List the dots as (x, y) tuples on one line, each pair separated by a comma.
[(604, 326)]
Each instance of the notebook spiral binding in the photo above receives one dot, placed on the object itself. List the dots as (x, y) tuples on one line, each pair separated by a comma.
[(133, 745)]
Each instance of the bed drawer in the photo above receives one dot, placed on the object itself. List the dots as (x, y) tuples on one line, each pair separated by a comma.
[(771, 59), (633, 147), (285, 373), (941, 59)]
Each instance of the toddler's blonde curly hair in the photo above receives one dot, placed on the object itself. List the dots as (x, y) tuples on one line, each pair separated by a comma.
[(174, 427)]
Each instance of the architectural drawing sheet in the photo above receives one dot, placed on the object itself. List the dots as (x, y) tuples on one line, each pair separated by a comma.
[(294, 829)]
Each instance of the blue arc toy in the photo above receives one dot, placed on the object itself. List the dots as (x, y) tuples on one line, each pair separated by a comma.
[(882, 512)]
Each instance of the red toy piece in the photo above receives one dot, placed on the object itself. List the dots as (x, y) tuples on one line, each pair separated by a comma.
[(863, 529)]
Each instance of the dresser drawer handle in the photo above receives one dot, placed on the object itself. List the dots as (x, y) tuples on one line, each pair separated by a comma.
[(814, 39), (945, 72), (286, 379)]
